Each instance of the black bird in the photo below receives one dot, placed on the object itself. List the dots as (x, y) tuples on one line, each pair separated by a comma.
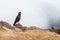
[(17, 18)]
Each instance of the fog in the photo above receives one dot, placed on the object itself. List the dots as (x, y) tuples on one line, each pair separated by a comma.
[(40, 13)]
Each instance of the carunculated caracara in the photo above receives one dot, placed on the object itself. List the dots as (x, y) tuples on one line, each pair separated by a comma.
[(17, 18)]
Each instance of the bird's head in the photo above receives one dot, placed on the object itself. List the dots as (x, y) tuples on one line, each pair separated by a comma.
[(19, 13)]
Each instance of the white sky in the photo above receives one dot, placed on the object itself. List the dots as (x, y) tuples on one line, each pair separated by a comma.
[(34, 12)]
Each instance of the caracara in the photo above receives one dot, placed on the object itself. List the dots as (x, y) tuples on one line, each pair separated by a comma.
[(17, 18)]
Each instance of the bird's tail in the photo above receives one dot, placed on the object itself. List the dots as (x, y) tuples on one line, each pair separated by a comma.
[(14, 24)]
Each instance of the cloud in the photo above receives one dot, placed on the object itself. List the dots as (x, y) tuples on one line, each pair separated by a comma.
[(52, 11)]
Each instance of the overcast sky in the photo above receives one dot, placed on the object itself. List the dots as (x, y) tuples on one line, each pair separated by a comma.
[(34, 12)]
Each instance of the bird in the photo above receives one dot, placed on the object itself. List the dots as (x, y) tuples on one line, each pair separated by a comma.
[(18, 18)]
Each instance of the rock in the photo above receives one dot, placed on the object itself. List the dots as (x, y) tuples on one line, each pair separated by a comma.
[(19, 26), (5, 24)]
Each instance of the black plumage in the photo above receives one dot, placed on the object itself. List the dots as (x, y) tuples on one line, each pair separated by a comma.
[(17, 18)]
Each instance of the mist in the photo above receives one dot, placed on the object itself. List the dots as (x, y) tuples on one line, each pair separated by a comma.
[(40, 13)]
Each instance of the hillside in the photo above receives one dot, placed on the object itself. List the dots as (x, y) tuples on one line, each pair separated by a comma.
[(25, 33)]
